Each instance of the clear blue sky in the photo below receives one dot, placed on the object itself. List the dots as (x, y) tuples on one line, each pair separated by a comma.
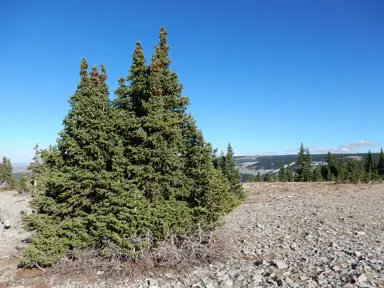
[(263, 75)]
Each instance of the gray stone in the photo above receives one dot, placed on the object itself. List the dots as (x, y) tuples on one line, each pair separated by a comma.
[(280, 264), (257, 278), (7, 224), (226, 283), (362, 278)]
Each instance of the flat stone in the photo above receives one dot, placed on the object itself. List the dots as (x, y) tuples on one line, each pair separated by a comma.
[(280, 264), (226, 283), (362, 278), (257, 278), (7, 224)]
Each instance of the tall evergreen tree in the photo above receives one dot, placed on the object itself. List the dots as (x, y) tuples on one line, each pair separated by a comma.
[(258, 177), (380, 164), (36, 182), (215, 159), (84, 176), (133, 167), (6, 179), (231, 172), (222, 163), (353, 171), (282, 173), (303, 170), (370, 167), (267, 177), (316, 175), (289, 175), (330, 170)]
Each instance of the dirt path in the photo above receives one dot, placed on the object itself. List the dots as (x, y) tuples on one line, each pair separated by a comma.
[(284, 235)]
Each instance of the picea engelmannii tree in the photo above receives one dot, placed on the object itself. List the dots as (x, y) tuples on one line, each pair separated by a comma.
[(370, 167), (380, 164), (6, 179), (127, 168), (282, 177), (303, 170), (289, 173)]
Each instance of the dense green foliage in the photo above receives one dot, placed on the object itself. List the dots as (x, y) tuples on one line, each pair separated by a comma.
[(303, 170), (227, 165), (127, 170), (282, 176), (380, 164), (289, 172), (6, 179)]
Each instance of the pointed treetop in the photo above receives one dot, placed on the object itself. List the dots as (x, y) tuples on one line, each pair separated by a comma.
[(139, 48), (103, 70), (83, 72), (229, 148), (163, 38), (161, 51), (138, 58), (83, 67)]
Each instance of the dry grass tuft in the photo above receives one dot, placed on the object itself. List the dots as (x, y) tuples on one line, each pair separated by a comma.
[(177, 254)]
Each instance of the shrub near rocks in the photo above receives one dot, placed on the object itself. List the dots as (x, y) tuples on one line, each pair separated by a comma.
[(127, 173)]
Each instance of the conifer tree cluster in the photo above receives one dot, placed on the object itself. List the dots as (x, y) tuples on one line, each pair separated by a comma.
[(227, 164), (127, 170), (6, 179), (304, 161)]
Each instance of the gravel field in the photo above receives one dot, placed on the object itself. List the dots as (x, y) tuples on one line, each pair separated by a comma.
[(283, 235)]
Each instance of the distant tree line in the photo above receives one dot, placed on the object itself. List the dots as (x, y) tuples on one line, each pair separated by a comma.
[(338, 169)]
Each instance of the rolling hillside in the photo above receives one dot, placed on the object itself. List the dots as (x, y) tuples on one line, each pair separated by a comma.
[(252, 165)]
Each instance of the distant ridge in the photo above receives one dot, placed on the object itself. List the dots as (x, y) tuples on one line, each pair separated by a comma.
[(251, 165)]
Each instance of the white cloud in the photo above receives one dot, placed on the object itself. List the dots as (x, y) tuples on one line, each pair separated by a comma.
[(353, 147)]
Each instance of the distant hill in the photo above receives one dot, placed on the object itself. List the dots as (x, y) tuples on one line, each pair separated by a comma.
[(248, 165), (17, 175), (252, 165), (19, 169)]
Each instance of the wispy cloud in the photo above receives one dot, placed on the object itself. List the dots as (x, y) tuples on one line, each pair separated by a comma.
[(290, 152), (348, 148), (353, 147)]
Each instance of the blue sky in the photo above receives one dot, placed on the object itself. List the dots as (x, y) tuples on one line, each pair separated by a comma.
[(263, 75)]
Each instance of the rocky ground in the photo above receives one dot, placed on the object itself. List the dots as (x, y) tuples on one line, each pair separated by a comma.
[(284, 235), (12, 205)]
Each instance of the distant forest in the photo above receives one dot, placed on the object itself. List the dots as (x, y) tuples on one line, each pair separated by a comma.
[(305, 167)]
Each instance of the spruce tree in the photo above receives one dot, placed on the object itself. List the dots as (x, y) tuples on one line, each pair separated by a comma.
[(370, 167), (267, 178), (282, 173), (353, 171), (231, 172), (215, 159), (23, 186), (128, 168), (380, 164), (303, 170), (6, 179), (330, 172), (38, 169), (222, 163), (317, 177), (82, 178), (308, 166), (289, 173)]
